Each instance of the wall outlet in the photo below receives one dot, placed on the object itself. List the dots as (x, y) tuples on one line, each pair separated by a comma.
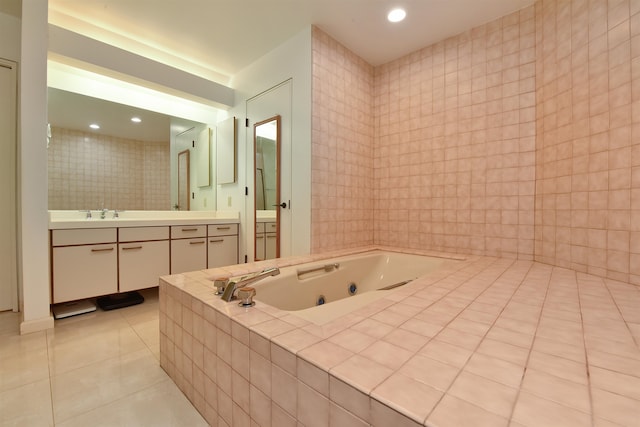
[(229, 201), (204, 202)]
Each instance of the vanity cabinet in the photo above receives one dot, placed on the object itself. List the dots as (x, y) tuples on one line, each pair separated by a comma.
[(91, 262), (143, 255), (270, 240), (85, 263), (188, 248), (222, 244), (266, 240)]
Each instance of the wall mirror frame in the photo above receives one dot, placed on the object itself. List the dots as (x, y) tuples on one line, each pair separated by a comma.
[(266, 182)]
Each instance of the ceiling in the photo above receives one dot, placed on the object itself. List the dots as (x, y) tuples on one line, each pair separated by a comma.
[(72, 111), (217, 38)]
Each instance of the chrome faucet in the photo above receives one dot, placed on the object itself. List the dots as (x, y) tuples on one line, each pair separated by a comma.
[(103, 213), (232, 286)]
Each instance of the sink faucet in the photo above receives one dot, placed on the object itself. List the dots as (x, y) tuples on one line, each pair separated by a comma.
[(103, 213), (231, 287)]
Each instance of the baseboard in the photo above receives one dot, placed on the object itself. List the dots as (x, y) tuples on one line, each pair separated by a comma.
[(37, 325)]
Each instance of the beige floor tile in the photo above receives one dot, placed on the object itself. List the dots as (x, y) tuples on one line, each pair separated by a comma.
[(84, 389), (27, 405), (86, 350), (454, 412), (162, 404), (23, 368), (13, 344)]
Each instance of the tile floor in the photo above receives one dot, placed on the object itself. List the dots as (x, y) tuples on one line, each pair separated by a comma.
[(97, 369)]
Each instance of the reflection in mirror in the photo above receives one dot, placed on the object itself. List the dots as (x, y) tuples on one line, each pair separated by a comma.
[(123, 165), (183, 181), (266, 139)]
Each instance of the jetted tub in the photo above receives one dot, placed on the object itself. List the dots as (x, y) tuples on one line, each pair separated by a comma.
[(325, 290)]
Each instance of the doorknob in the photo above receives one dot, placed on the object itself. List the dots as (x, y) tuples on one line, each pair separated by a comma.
[(283, 205)]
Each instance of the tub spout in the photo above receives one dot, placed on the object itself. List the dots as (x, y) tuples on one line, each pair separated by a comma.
[(232, 286)]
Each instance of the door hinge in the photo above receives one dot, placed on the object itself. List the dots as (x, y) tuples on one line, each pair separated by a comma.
[(193, 144), (246, 122), (246, 259), (246, 191)]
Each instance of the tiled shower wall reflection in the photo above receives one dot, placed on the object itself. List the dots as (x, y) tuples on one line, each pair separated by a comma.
[(89, 171), (519, 138)]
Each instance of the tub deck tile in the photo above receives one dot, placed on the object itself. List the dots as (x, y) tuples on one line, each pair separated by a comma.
[(488, 341)]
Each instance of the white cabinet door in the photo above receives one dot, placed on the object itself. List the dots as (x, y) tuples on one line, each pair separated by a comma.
[(270, 245), (260, 253), (188, 255), (84, 271), (142, 263), (223, 250)]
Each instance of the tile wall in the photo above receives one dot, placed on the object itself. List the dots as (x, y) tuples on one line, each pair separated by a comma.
[(342, 156), (588, 146), (455, 143), (518, 138), (94, 171)]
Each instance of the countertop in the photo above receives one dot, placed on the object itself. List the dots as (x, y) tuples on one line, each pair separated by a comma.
[(77, 219)]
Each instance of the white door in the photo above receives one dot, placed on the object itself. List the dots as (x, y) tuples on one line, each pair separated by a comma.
[(273, 102), (8, 267)]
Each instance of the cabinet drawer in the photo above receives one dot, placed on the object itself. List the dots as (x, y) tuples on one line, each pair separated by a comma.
[(140, 234), (83, 236), (270, 227), (84, 272), (259, 227), (188, 255), (223, 229), (142, 263), (223, 250), (188, 231)]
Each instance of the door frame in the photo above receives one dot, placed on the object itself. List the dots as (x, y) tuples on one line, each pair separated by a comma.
[(13, 111)]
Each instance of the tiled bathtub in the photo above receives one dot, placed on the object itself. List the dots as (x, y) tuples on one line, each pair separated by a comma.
[(487, 341)]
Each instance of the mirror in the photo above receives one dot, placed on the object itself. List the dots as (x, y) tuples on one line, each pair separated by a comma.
[(266, 148), (124, 165)]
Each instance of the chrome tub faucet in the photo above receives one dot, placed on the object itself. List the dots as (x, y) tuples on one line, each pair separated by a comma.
[(232, 286)]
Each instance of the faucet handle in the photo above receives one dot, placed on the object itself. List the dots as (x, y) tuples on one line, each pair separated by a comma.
[(220, 283), (245, 295)]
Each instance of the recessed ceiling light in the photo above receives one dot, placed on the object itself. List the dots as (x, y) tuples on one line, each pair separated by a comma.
[(94, 126), (136, 119), (396, 15)]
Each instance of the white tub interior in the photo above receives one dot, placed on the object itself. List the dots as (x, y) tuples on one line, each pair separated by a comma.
[(370, 272)]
